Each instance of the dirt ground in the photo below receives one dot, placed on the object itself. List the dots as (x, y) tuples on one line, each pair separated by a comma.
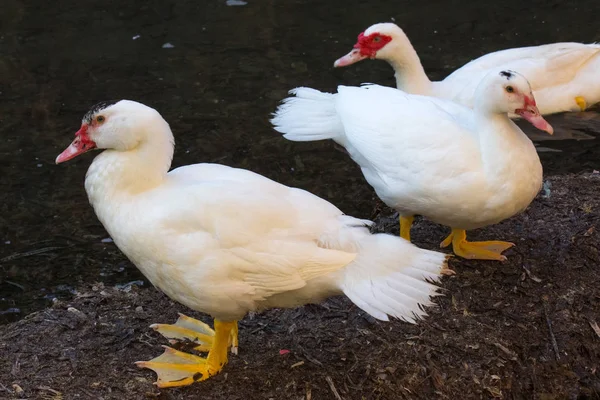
[(522, 329)]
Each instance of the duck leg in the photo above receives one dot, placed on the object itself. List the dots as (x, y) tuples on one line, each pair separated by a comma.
[(581, 102), (191, 329), (176, 368), (405, 225), (489, 250)]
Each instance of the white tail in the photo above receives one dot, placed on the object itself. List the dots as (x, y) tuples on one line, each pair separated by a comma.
[(311, 115), (392, 277)]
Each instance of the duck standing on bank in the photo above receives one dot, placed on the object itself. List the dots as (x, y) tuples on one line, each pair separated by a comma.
[(227, 241), (460, 167)]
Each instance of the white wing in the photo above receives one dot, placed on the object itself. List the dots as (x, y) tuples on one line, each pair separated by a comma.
[(265, 238), (407, 142), (544, 66)]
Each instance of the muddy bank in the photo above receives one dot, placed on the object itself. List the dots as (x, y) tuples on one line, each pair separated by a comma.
[(226, 71), (521, 329)]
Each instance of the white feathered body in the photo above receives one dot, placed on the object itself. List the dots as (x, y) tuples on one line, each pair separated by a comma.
[(558, 73), (226, 241), (422, 155)]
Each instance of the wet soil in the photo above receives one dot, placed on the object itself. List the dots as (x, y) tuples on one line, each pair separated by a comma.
[(227, 71), (523, 329)]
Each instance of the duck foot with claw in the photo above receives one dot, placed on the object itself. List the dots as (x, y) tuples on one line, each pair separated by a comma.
[(190, 329), (176, 368), (489, 250)]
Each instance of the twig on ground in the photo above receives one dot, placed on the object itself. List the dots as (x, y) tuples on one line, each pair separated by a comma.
[(32, 253), (595, 327), (309, 358), (552, 338), (531, 276), (16, 285), (332, 387)]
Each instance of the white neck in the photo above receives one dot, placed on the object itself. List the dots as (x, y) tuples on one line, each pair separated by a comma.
[(409, 72), (121, 174), (505, 149)]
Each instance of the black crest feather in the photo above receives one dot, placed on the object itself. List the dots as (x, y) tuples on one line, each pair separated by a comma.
[(97, 107)]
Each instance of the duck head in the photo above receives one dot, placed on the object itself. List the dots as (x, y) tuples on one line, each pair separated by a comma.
[(507, 91), (379, 41), (117, 125)]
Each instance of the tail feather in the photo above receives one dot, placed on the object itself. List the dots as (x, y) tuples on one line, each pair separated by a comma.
[(309, 116), (392, 277)]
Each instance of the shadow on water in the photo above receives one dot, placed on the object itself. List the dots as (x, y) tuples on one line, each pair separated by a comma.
[(224, 72)]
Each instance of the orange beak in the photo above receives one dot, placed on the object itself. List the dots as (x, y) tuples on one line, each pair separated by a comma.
[(353, 57), (81, 144), (531, 113)]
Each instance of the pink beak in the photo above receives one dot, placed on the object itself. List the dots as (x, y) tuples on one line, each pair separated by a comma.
[(531, 113), (81, 144), (353, 57)]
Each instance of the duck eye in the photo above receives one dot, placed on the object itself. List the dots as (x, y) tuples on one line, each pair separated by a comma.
[(377, 39), (100, 119), (510, 89)]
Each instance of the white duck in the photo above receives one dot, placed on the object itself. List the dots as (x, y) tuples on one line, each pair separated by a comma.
[(563, 76), (459, 167), (226, 241)]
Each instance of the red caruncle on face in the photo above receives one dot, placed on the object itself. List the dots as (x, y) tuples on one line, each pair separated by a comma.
[(371, 44)]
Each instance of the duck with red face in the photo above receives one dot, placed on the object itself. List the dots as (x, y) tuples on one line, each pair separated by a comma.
[(563, 76), (386, 41), (459, 167)]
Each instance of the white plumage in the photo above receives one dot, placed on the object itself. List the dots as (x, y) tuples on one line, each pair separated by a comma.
[(563, 76), (226, 241), (459, 167)]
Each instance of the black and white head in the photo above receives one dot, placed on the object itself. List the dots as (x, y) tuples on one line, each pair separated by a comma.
[(117, 125), (507, 91)]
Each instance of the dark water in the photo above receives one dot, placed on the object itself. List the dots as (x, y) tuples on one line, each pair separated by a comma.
[(216, 87)]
